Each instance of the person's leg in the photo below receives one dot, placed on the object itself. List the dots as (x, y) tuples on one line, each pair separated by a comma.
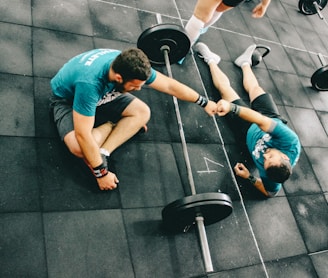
[(250, 83), (224, 6), (63, 117), (203, 13), (219, 78), (125, 115), (222, 83), (216, 16), (260, 100), (134, 117), (99, 133)]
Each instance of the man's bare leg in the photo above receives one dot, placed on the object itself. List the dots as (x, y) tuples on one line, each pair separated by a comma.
[(135, 116), (109, 136), (101, 132), (219, 78), (250, 82), (222, 83)]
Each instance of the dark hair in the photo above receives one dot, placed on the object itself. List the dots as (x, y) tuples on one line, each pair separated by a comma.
[(132, 64), (280, 173)]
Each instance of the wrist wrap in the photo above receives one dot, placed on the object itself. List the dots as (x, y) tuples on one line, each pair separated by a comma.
[(234, 108), (252, 179), (201, 101), (101, 170)]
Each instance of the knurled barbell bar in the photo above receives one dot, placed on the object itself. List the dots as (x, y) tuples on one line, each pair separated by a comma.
[(165, 44)]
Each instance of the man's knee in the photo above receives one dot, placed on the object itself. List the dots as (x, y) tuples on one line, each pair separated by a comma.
[(145, 112), (139, 109), (72, 144), (255, 92)]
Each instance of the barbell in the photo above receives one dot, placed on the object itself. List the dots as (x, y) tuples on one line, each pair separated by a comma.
[(165, 44)]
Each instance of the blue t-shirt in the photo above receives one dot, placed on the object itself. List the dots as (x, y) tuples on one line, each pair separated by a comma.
[(84, 79), (282, 138)]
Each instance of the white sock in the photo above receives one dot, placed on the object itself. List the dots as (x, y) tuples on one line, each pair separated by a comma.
[(216, 16), (104, 152), (193, 27)]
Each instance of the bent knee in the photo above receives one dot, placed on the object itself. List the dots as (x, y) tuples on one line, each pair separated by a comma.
[(255, 92), (138, 109), (72, 144), (145, 112)]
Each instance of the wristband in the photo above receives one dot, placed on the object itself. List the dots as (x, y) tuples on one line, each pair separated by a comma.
[(101, 170), (252, 179), (201, 101), (234, 108)]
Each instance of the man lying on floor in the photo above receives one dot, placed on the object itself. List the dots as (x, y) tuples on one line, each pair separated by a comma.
[(274, 147)]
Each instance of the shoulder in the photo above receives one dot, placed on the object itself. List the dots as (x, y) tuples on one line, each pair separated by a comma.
[(282, 129)]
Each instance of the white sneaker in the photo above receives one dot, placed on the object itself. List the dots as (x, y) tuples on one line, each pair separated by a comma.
[(246, 56), (205, 53)]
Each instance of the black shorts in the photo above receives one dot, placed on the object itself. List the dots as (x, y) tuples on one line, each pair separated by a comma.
[(263, 104), (232, 3), (109, 112)]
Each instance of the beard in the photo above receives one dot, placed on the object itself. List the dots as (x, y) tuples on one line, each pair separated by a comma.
[(119, 87)]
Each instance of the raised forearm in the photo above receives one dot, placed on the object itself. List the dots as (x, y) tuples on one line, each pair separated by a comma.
[(182, 91), (170, 86), (258, 184), (252, 116), (242, 171)]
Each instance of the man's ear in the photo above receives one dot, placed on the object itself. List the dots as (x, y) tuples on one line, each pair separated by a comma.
[(118, 78), (284, 156)]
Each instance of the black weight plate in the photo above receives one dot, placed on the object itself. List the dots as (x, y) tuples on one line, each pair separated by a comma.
[(307, 7), (182, 213), (319, 79), (172, 35)]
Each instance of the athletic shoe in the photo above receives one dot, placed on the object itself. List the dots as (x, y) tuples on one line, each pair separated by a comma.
[(246, 56), (205, 53)]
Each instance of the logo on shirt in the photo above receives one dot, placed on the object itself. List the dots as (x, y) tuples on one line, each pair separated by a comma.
[(95, 56), (260, 146), (108, 97)]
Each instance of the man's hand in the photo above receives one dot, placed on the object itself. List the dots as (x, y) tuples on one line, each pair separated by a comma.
[(108, 182), (260, 9), (241, 170), (223, 107), (211, 108)]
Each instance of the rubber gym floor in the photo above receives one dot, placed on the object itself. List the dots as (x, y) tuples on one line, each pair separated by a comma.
[(54, 220)]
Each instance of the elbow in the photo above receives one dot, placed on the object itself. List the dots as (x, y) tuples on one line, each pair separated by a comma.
[(266, 124)]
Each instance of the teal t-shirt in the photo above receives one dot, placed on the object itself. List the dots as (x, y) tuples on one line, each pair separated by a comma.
[(282, 138), (84, 79)]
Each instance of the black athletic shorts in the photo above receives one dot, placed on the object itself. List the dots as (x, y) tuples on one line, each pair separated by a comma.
[(263, 104), (232, 3), (109, 112)]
